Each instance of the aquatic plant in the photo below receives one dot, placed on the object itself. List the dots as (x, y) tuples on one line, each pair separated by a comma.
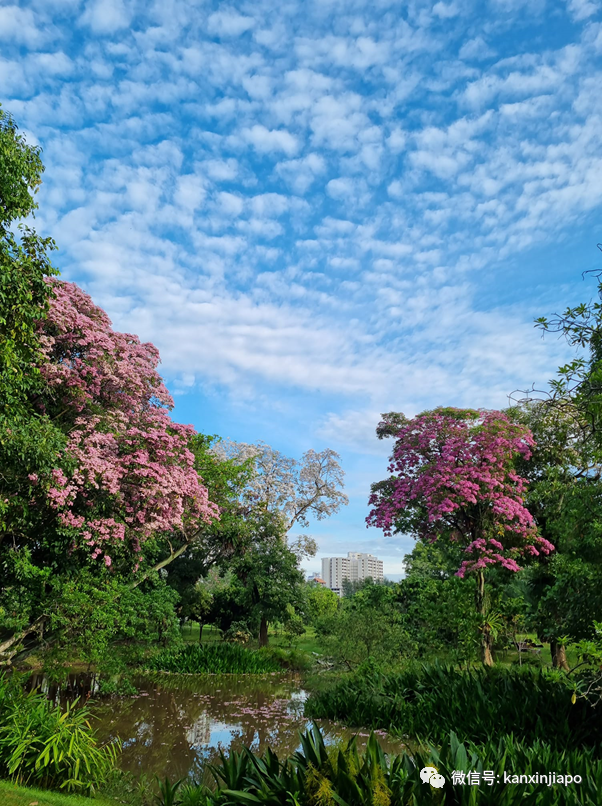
[(431, 700), (214, 659)]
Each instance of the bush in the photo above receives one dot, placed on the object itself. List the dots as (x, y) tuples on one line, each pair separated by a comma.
[(42, 745), (223, 658), (321, 776), (430, 701)]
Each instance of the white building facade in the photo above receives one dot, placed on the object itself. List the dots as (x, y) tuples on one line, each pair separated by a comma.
[(355, 567)]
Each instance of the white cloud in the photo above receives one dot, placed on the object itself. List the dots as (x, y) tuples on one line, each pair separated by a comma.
[(106, 16), (229, 23), (582, 9), (476, 49), (446, 10), (190, 191), (268, 140), (301, 174), (18, 25)]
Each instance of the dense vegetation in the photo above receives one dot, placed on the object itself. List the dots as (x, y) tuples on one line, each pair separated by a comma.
[(213, 659), (40, 744), (340, 776), (430, 701)]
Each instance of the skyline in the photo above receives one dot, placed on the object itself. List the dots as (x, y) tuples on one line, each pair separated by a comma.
[(323, 212)]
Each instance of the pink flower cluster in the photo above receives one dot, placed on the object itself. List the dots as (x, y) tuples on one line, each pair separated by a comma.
[(453, 471), (134, 475)]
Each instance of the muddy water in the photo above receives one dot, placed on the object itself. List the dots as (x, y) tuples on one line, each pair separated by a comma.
[(176, 723)]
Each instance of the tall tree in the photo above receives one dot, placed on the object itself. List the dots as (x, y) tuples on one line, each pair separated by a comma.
[(293, 490), (580, 380), (94, 472), (454, 479), (24, 268), (565, 498)]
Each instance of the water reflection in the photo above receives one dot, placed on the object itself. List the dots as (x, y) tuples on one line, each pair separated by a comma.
[(175, 724)]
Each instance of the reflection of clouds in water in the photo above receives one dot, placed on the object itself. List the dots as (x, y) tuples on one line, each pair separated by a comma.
[(183, 723)]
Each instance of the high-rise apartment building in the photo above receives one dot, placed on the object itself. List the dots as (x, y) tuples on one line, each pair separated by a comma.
[(355, 567)]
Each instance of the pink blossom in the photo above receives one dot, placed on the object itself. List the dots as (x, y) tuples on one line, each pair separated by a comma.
[(133, 474), (454, 470)]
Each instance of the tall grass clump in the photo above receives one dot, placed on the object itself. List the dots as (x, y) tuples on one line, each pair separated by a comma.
[(429, 701), (43, 745), (341, 776), (214, 659)]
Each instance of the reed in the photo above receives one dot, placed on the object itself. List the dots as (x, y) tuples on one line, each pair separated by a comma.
[(214, 659)]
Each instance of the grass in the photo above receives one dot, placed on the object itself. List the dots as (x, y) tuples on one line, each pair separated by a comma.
[(13, 795)]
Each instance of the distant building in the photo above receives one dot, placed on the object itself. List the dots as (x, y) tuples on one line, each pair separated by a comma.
[(355, 567), (317, 579)]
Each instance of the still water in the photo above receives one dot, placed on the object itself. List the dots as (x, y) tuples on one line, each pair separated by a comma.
[(176, 723)]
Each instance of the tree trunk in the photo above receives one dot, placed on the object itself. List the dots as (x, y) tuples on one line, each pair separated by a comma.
[(201, 625), (7, 653), (263, 633), (558, 652), (486, 656)]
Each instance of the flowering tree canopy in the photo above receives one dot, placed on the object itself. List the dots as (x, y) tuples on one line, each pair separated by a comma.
[(453, 476), (129, 472), (291, 489)]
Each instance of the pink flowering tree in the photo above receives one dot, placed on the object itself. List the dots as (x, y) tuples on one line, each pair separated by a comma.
[(128, 474), (454, 478)]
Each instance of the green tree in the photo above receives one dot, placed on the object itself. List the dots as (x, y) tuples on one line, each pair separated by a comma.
[(268, 581), (28, 438), (368, 624), (321, 602), (24, 270), (565, 498)]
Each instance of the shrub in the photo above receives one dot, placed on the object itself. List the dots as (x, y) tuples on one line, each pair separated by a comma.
[(40, 744), (321, 776), (430, 701), (223, 658)]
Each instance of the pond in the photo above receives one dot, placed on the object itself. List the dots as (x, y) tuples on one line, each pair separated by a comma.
[(176, 723)]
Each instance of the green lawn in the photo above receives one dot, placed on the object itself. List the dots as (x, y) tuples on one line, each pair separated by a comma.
[(13, 795), (306, 643)]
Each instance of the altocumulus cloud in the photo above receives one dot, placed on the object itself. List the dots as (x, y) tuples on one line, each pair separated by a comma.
[(323, 210)]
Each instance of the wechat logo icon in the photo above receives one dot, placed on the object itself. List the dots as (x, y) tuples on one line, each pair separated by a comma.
[(429, 775)]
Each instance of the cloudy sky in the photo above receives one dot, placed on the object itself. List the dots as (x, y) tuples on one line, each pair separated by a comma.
[(320, 211)]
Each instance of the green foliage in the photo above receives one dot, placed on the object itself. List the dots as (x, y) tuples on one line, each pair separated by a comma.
[(366, 624), (215, 658), (321, 602), (342, 776), (439, 616), (264, 583), (41, 744), (104, 624), (565, 497), (24, 265), (430, 701), (168, 792)]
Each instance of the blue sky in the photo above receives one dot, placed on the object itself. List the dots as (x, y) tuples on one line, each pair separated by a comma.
[(320, 211)]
